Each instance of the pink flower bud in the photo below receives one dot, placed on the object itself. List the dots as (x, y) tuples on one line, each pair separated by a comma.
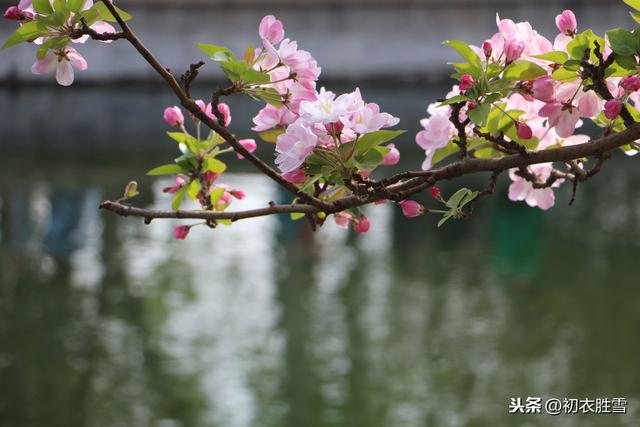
[(14, 13), (177, 184), (471, 105), (342, 219), (334, 129), (271, 29), (612, 109), (392, 157), (487, 48), (361, 225), (173, 116), (238, 194), (296, 176), (523, 130), (226, 112), (210, 177), (631, 83), (544, 89), (411, 208), (181, 232), (566, 23), (513, 50), (249, 145), (435, 192), (466, 81)]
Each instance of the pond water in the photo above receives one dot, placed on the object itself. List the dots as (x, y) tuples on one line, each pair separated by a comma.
[(106, 321)]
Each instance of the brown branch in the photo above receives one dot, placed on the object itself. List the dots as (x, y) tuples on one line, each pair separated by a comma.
[(191, 106), (189, 76), (85, 30)]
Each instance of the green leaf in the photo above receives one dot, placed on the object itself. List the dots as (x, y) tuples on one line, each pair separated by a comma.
[(465, 51), (633, 3), (623, 42), (523, 70), (268, 95), (445, 218), (194, 188), (457, 197), (480, 114), (55, 43), (217, 53), (75, 5), (216, 195), (635, 16), (586, 40), (234, 69), (557, 57), (271, 135), (296, 216), (166, 170), (564, 75), (176, 201), (29, 31), (42, 6), (453, 100), (105, 15), (368, 161), (370, 140), (214, 165), (131, 190), (254, 77)]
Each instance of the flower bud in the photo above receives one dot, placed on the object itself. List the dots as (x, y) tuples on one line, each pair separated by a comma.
[(523, 130), (249, 145), (566, 23), (466, 81), (631, 83), (271, 29), (226, 113), (342, 219), (334, 129), (173, 116), (392, 157), (435, 192), (238, 194), (513, 50), (612, 109), (411, 208), (296, 176), (14, 13), (544, 89), (487, 48), (181, 232), (177, 185), (361, 225), (209, 177)]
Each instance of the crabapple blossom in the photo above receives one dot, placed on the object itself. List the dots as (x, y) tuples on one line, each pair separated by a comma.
[(564, 117), (411, 208), (296, 176), (435, 192), (523, 130), (178, 183), (513, 51), (566, 23), (361, 225), (62, 61), (392, 157), (294, 146), (173, 116), (181, 231), (612, 109), (466, 81), (271, 29), (487, 48), (521, 189), (543, 89), (342, 219), (631, 83), (249, 144)]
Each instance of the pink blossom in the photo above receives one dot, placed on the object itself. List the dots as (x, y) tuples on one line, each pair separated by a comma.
[(631, 83), (63, 61), (329, 109), (209, 177), (270, 117), (368, 119), (15, 13), (612, 109), (208, 110), (226, 113), (296, 176), (436, 193), (521, 189), (173, 116), (411, 208), (513, 50), (564, 117), (181, 232), (544, 89), (566, 23), (249, 144), (437, 132), (466, 81), (361, 225), (523, 130), (392, 157), (271, 29), (342, 219), (294, 146), (177, 185)]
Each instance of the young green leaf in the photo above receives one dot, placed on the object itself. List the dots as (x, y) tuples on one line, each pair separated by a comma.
[(27, 32), (271, 135), (623, 42), (217, 53), (370, 140), (194, 188), (105, 15), (633, 3), (479, 114), (166, 170), (523, 70), (176, 202), (43, 7), (557, 57), (465, 51), (213, 165)]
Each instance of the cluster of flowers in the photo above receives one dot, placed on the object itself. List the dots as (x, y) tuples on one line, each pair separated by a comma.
[(549, 109), (61, 57)]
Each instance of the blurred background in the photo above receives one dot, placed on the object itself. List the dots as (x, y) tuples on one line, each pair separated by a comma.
[(107, 322)]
